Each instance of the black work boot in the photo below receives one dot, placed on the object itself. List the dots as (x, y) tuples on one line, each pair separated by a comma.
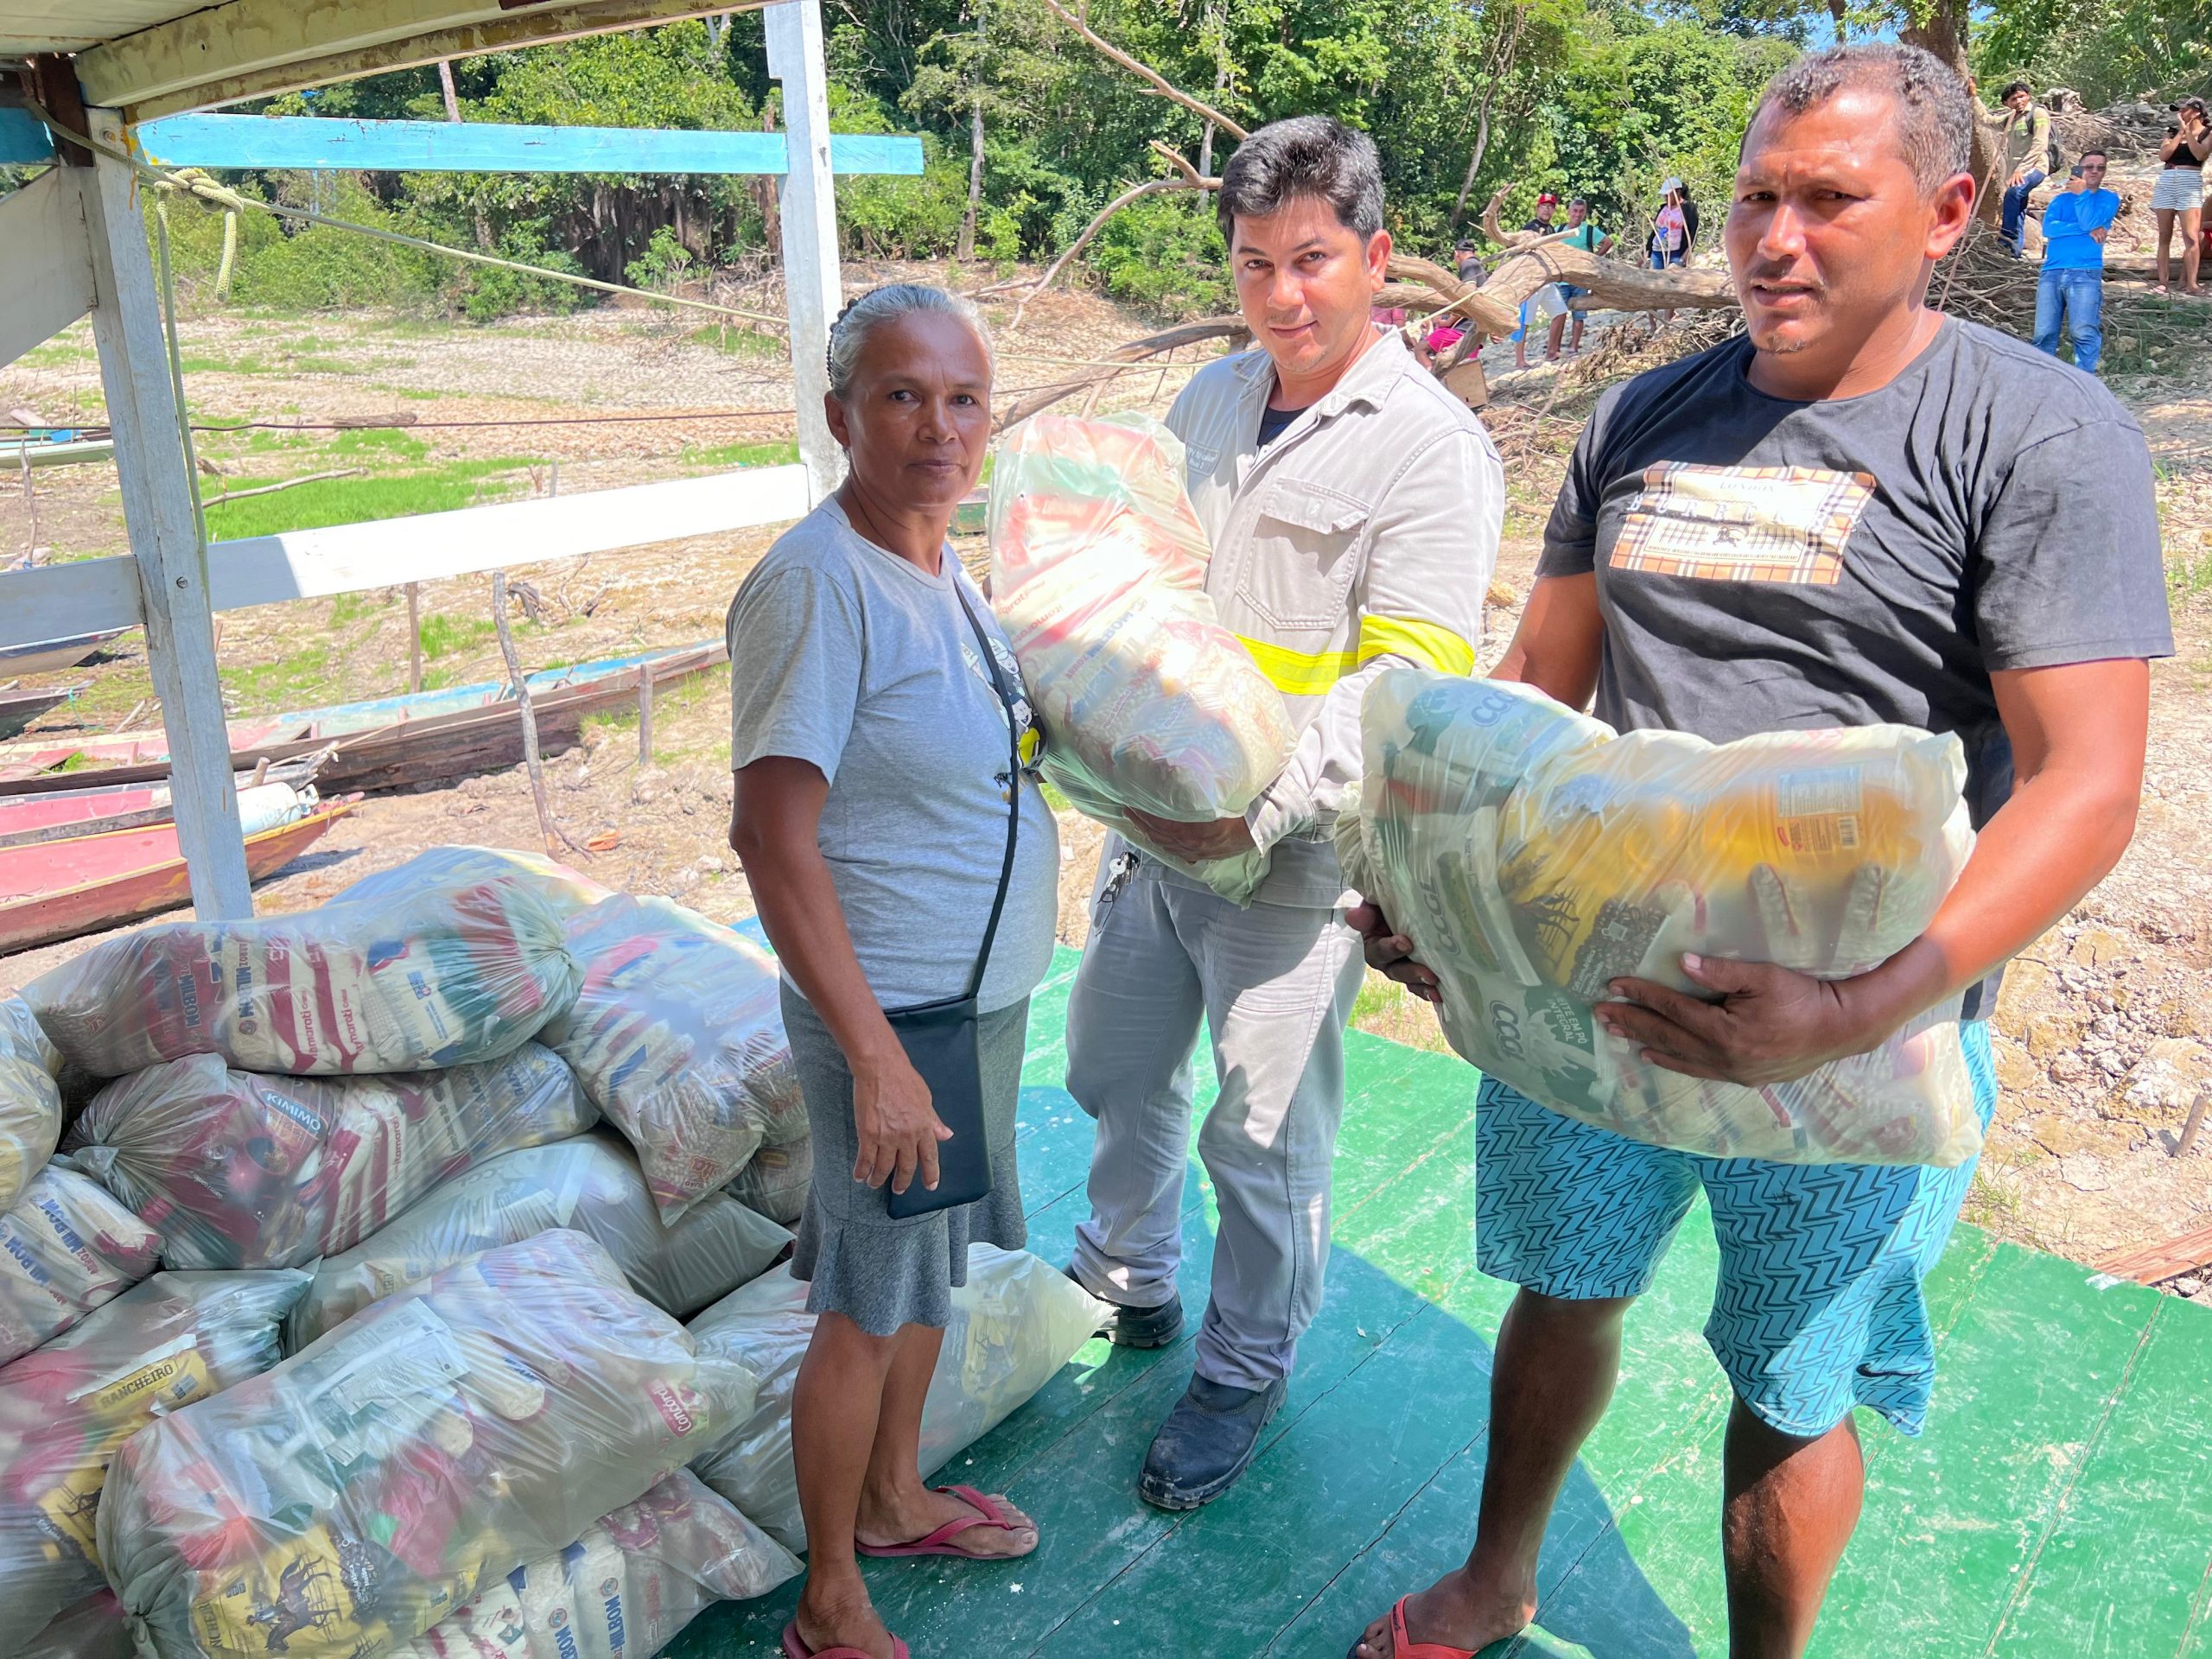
[(1205, 1443), (1140, 1327)]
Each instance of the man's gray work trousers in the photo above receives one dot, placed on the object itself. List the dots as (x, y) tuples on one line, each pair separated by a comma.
[(1275, 984)]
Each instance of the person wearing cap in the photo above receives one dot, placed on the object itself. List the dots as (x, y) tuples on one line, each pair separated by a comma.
[(1547, 297), (1675, 230), (1467, 258)]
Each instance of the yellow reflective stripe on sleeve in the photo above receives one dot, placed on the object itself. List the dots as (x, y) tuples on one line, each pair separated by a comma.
[(1299, 673), (1430, 643)]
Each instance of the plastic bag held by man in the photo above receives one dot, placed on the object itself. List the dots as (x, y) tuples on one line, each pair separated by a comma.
[(1016, 1322), (1533, 856), (65, 1249), (678, 1036), (625, 1590), (30, 1101), (67, 1409), (237, 1170), (1098, 571), (438, 974), (591, 1184), (367, 1487)]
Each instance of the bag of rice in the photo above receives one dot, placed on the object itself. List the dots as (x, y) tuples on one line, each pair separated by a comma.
[(381, 1478), (1534, 856), (67, 1409), (775, 1181), (623, 1590), (237, 1170), (591, 1184), (435, 974), (30, 1101), (1014, 1324), (679, 1037), (1098, 569), (564, 890), (65, 1249)]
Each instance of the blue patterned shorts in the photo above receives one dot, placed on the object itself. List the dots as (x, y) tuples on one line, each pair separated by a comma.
[(1818, 1308)]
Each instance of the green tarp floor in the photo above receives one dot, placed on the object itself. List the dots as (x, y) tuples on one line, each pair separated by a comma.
[(2059, 1503)]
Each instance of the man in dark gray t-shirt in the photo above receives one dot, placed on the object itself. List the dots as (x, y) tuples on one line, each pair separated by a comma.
[(1862, 510)]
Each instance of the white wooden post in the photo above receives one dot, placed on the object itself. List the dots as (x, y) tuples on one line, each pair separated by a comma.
[(813, 291), (164, 539)]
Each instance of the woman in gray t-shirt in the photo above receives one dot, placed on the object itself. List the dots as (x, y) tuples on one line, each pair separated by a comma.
[(870, 749)]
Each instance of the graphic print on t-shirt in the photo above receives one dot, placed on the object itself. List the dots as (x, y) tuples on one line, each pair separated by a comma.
[(1742, 523), (1032, 734)]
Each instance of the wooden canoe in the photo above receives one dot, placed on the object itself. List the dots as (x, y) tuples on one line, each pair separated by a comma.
[(19, 708), (62, 814), (61, 889), (46, 656)]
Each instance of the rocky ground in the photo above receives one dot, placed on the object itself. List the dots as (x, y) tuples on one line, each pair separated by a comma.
[(2105, 1029)]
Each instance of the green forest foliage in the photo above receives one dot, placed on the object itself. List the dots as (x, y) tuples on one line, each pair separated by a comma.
[(1604, 97)]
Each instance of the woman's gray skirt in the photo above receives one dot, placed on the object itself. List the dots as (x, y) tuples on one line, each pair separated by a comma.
[(879, 1273)]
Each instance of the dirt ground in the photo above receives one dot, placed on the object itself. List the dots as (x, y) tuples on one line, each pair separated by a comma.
[(2104, 1030)]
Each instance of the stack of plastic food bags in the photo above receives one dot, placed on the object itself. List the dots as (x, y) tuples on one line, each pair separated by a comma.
[(1016, 1322), (1098, 575), (238, 1170), (1533, 856), (65, 1249), (565, 890), (591, 1184), (775, 1179), (678, 1038), (433, 973), (65, 1410), (30, 1101), (346, 1502), (625, 1588)]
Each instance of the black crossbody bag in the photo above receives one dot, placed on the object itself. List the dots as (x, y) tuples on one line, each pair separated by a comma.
[(941, 1038)]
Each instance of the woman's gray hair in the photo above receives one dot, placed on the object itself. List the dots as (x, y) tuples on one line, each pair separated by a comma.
[(848, 335)]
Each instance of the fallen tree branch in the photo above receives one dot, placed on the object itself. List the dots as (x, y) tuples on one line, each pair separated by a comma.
[(1153, 77), (553, 834), (1123, 358), (271, 489)]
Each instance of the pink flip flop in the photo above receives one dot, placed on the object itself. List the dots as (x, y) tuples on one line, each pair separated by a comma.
[(988, 1515), (795, 1648)]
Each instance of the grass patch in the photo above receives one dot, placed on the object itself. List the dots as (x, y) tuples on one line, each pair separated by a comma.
[(444, 633), (381, 440), (363, 500), (2188, 579), (783, 454), (1385, 1008), (740, 342), (352, 608), (296, 680)]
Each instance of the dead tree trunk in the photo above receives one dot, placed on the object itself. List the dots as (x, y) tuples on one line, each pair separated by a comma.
[(1501, 68), (963, 248), (1942, 32)]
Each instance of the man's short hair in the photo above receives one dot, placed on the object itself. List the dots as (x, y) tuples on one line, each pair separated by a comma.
[(1935, 119), (1315, 156), (2005, 97), (2103, 155)]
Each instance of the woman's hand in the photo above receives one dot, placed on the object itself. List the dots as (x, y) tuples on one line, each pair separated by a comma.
[(897, 1128)]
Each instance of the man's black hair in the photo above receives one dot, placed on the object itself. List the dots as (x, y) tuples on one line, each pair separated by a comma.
[(2005, 97), (1315, 156), (1935, 114)]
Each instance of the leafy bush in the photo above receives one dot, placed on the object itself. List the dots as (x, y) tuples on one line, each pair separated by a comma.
[(1163, 254)]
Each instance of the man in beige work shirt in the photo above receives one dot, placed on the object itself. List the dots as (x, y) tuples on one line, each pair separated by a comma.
[(1353, 506)]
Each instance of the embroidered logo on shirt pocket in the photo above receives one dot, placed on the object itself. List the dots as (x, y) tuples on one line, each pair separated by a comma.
[(1742, 524), (1298, 567)]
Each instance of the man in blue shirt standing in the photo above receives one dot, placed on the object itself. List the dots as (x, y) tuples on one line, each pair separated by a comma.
[(2073, 284)]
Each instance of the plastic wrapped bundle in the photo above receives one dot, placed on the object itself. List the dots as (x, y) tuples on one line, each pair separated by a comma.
[(678, 1038), (237, 1170), (775, 1182), (623, 1590), (65, 1249), (67, 1409), (1016, 1322), (564, 890), (30, 1101), (92, 1629), (435, 974), (367, 1487), (591, 1184), (1099, 575), (1534, 856)]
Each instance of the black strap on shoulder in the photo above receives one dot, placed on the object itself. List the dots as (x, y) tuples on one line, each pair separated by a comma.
[(1009, 698)]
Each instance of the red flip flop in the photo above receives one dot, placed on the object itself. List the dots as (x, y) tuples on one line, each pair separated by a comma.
[(1404, 1647), (987, 1514), (795, 1648)]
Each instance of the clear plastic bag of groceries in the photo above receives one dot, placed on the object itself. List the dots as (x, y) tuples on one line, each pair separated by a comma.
[(677, 1034), (1533, 856), (31, 1100), (1014, 1324), (775, 1181), (67, 1409), (92, 1629), (623, 1590), (373, 1484), (438, 974), (1098, 571), (65, 1249), (235, 1169), (566, 891), (591, 1184)]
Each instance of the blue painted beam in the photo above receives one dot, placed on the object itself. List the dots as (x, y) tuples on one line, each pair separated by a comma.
[(23, 140), (234, 141)]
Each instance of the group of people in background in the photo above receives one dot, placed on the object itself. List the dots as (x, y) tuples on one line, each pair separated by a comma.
[(1672, 238)]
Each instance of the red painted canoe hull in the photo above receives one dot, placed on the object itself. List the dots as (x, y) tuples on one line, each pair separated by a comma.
[(59, 889)]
